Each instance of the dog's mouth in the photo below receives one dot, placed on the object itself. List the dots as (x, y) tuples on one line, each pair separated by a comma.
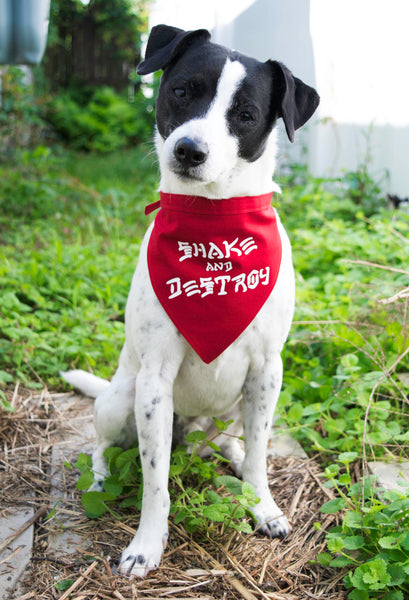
[(186, 173)]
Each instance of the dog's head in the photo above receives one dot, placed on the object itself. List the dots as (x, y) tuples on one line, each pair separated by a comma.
[(215, 113)]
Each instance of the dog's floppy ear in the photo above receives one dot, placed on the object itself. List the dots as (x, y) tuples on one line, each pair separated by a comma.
[(297, 100), (164, 44)]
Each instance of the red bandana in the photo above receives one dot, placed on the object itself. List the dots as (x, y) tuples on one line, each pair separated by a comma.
[(213, 264)]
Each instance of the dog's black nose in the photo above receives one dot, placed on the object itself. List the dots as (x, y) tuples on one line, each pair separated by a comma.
[(190, 153)]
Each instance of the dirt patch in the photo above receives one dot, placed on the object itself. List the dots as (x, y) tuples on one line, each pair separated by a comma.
[(226, 565)]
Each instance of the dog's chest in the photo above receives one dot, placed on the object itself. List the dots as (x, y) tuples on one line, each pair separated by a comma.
[(199, 388)]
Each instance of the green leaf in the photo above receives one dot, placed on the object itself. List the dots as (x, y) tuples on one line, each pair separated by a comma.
[(222, 425), (404, 540), (85, 480), (389, 541), (214, 497), (354, 542), (63, 585), (111, 455), (353, 519), (248, 489), (195, 437), (4, 403), (394, 595), (397, 575), (192, 524), (124, 458), (215, 447), (84, 462), (131, 501), (341, 561), (295, 412), (112, 486), (332, 506), (94, 503), (232, 484), (181, 515), (335, 543), (358, 595), (175, 470), (243, 527), (347, 457), (215, 512), (324, 558)]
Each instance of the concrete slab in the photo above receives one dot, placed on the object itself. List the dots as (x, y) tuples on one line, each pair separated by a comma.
[(16, 557), (282, 444), (389, 474), (80, 437)]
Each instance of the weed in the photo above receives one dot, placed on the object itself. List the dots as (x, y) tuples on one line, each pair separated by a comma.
[(201, 498), (373, 540)]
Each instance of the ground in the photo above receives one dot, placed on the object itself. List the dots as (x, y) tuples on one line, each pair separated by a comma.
[(75, 557)]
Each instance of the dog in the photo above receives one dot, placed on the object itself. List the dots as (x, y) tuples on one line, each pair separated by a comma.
[(216, 113)]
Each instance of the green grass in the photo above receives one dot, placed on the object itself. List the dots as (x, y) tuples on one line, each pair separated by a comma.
[(121, 170), (67, 255), (70, 231)]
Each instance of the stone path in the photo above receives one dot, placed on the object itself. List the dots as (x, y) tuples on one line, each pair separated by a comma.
[(15, 558)]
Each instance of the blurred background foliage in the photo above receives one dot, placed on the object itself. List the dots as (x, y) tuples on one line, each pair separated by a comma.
[(85, 93)]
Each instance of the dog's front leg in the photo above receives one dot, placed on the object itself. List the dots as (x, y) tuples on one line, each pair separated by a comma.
[(260, 395), (154, 416)]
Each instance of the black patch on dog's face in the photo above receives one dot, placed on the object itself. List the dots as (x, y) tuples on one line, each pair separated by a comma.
[(254, 111), (188, 87)]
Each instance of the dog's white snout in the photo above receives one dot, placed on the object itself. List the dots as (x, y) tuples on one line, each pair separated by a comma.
[(190, 152)]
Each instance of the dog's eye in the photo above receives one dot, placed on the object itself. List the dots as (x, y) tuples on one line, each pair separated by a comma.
[(245, 117), (179, 92)]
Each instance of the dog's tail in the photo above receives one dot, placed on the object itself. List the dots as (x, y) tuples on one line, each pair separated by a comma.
[(86, 383)]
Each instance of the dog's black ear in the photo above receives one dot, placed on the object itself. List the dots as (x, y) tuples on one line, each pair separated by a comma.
[(297, 101), (165, 43)]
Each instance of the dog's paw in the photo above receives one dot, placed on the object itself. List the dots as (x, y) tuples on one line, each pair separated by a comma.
[(274, 527), (137, 559), (271, 523)]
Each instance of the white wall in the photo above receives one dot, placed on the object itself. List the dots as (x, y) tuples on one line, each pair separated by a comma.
[(356, 54)]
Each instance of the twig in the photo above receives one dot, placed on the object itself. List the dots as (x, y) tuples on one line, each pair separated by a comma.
[(26, 596), (38, 515), (12, 555), (245, 574), (329, 494), (80, 579), (234, 582), (399, 296), (366, 263)]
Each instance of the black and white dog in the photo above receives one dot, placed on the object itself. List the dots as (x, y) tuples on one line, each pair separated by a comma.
[(216, 112)]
